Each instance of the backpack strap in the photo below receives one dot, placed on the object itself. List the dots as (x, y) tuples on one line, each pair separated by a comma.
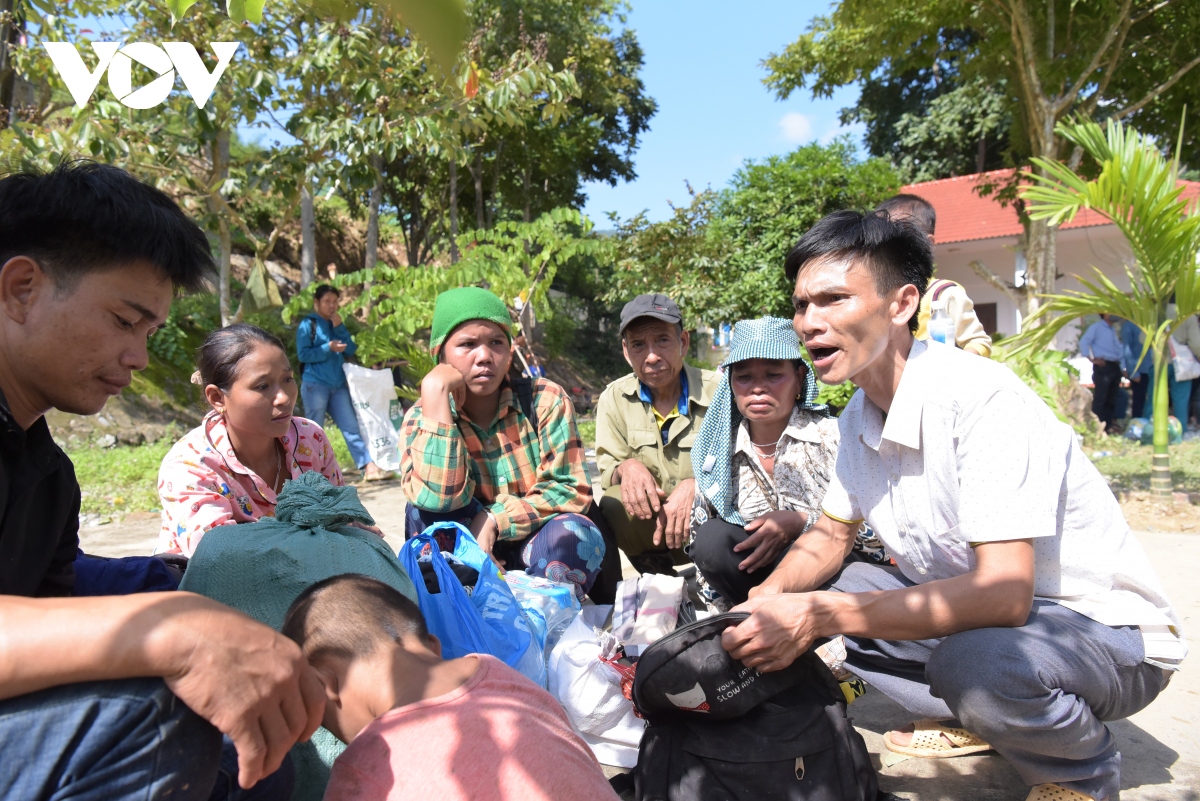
[(940, 286), (523, 387)]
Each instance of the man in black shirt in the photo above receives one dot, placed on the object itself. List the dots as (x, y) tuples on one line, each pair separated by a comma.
[(110, 697)]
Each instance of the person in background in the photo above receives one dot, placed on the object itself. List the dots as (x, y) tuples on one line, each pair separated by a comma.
[(1186, 334), (1102, 347), (969, 333), (472, 454), (762, 460), (646, 423), (322, 345), (231, 467), (420, 727), (1141, 370), (113, 698)]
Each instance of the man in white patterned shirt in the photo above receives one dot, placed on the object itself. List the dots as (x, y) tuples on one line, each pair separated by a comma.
[(1021, 613)]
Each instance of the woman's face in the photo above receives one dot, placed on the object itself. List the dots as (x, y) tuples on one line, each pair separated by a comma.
[(479, 349), (262, 396), (765, 389)]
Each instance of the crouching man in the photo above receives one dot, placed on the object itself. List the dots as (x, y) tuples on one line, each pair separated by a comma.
[(1022, 613), (646, 423)]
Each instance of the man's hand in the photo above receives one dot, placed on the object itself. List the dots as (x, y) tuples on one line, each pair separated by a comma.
[(640, 493), (336, 319), (780, 628), (337, 345), (675, 517), (249, 681), (770, 535)]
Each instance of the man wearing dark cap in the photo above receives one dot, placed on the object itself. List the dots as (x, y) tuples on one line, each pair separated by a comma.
[(646, 423)]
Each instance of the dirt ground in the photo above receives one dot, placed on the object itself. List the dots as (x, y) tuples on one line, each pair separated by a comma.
[(1160, 745)]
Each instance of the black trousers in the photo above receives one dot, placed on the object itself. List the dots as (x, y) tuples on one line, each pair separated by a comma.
[(1139, 390), (712, 552), (1106, 378)]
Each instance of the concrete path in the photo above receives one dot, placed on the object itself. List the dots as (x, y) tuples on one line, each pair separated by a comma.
[(1160, 745)]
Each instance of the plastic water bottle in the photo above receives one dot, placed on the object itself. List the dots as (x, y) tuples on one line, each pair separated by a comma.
[(941, 325)]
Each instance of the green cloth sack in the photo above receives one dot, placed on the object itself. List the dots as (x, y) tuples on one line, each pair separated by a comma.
[(260, 568)]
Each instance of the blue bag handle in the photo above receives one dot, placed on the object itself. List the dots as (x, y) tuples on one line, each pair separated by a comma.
[(451, 615)]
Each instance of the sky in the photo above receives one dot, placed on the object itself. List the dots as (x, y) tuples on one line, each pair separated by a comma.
[(703, 67)]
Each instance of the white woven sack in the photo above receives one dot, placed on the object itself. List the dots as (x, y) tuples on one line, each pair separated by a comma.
[(373, 392), (1186, 365), (590, 692)]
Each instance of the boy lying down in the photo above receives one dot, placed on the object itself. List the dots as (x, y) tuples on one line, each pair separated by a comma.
[(420, 727)]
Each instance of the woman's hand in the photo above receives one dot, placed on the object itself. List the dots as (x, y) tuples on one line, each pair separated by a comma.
[(770, 535), (483, 528), (437, 387)]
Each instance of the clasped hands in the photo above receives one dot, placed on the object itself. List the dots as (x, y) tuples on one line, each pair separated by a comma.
[(645, 500)]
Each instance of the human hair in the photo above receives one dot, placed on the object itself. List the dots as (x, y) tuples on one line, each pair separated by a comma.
[(642, 323), (84, 217), (919, 210), (895, 251), (323, 290), (218, 357), (350, 616)]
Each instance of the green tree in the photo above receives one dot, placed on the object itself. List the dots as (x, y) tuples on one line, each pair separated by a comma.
[(722, 255), (928, 120), (1138, 189), (1110, 57)]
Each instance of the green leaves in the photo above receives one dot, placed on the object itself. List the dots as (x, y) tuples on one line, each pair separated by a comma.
[(1138, 189), (179, 7)]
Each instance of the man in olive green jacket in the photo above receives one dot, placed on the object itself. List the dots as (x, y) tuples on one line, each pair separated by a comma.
[(646, 423)]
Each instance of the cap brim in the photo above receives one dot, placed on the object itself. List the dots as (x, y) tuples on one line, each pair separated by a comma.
[(666, 317)]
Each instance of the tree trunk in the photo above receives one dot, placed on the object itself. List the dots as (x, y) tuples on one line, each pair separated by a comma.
[(1160, 465), (477, 176), (219, 154), (526, 213), (8, 76), (308, 236), (372, 244), (453, 212)]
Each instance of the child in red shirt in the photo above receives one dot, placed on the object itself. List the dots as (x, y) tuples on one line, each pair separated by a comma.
[(419, 727)]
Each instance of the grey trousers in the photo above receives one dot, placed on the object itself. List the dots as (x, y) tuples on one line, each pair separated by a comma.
[(1038, 693)]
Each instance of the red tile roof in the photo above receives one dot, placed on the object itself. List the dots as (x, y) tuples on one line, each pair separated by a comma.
[(963, 215)]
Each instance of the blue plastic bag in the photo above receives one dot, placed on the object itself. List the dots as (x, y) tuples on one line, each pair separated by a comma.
[(488, 621)]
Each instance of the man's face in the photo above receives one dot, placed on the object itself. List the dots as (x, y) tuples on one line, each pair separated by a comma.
[(655, 350), (841, 318), (480, 350), (327, 306), (74, 350)]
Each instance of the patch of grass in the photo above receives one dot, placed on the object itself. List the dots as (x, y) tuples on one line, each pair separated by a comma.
[(345, 461), (1129, 466), (587, 432), (120, 479)]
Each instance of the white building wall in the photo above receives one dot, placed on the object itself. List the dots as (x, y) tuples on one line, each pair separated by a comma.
[(1078, 251)]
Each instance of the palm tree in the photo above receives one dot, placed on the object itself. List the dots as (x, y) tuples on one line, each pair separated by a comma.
[(1138, 189)]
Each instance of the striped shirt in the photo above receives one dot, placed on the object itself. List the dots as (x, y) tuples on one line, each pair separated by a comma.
[(522, 476)]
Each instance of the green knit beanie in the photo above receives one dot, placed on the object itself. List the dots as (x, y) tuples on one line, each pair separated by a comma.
[(457, 306)]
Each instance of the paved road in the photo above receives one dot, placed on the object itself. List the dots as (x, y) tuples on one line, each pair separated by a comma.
[(1160, 745)]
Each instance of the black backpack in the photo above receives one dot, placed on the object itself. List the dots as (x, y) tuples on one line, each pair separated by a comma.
[(719, 731)]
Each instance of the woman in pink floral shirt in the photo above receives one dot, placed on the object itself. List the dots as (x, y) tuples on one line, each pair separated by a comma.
[(231, 467)]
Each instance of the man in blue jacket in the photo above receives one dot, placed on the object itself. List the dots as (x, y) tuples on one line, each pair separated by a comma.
[(323, 343)]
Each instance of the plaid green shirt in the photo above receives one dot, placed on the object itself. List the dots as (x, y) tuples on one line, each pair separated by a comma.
[(521, 476)]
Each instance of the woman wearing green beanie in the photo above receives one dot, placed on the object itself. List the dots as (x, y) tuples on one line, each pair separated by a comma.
[(473, 455)]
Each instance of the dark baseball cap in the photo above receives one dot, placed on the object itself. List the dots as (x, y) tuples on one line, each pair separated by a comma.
[(660, 307)]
